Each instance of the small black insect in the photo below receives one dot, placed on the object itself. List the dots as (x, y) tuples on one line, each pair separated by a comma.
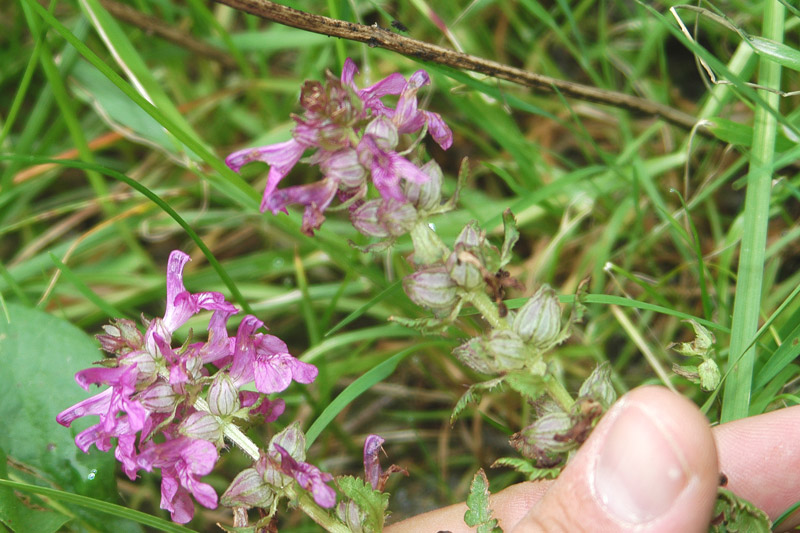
[(396, 24)]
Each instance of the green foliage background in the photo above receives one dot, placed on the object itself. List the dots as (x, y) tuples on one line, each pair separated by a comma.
[(653, 214)]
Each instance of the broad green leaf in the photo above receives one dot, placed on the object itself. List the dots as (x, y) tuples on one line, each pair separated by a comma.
[(17, 516), (137, 71), (39, 355), (105, 522)]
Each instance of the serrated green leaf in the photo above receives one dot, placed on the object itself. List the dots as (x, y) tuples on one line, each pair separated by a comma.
[(527, 468), (473, 395), (528, 385), (373, 502), (479, 514), (733, 514)]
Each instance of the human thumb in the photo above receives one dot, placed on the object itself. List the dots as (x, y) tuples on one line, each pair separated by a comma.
[(649, 466)]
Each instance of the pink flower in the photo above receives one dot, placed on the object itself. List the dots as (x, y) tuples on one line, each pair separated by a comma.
[(309, 477), (152, 387), (353, 134), (183, 462), (266, 360)]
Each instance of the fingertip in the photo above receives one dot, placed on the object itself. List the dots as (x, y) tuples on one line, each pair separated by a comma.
[(650, 465)]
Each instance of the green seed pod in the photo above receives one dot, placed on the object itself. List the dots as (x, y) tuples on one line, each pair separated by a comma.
[(538, 322)]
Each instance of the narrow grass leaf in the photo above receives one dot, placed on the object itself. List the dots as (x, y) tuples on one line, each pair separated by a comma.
[(747, 300), (364, 334), (774, 51), (89, 294), (358, 387), (366, 307), (99, 505), (156, 200)]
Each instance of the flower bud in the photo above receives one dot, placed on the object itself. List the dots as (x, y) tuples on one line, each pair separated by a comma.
[(431, 287), (427, 195), (366, 219), (223, 398), (702, 344), (507, 349), (122, 337), (290, 439), (544, 439), (342, 166), (372, 462), (397, 217), (248, 489), (352, 515), (203, 426), (473, 354), (598, 386), (159, 398), (538, 321), (709, 375), (463, 268), (384, 132)]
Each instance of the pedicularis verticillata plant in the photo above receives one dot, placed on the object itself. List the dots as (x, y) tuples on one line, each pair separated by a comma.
[(174, 408)]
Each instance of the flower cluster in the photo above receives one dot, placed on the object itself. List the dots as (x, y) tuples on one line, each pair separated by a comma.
[(152, 405), (354, 135)]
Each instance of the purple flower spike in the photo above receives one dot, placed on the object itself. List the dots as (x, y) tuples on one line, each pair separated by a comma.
[(353, 134), (309, 477)]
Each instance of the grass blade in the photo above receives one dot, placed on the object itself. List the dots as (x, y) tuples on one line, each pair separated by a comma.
[(747, 301)]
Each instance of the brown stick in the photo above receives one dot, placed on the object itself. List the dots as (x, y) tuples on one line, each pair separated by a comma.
[(376, 36), (160, 28)]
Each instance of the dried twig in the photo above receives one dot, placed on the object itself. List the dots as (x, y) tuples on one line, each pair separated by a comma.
[(155, 25), (376, 36)]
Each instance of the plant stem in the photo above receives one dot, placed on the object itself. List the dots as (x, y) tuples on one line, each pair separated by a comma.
[(747, 303), (558, 393), (233, 433), (314, 511), (486, 307)]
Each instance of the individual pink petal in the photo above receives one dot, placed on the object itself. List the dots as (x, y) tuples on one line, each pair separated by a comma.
[(94, 405), (440, 132), (271, 374), (391, 84), (282, 155), (349, 70), (302, 372)]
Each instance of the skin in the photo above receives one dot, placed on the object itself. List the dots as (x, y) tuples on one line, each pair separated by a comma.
[(648, 428)]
